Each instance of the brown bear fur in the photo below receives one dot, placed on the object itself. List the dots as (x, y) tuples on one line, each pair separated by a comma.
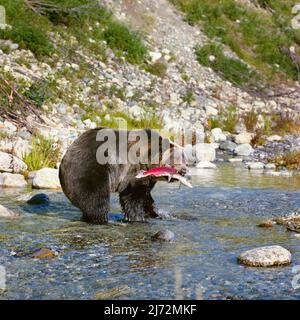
[(88, 184)]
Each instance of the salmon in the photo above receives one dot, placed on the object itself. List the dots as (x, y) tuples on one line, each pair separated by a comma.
[(169, 172)]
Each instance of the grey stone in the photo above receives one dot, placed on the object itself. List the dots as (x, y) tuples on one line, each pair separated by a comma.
[(46, 178), (243, 150), (7, 214), (266, 257), (164, 235), (11, 180)]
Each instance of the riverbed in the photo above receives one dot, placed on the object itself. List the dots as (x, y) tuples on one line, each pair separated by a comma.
[(213, 223)]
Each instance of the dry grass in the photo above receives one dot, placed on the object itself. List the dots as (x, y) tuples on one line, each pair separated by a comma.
[(289, 160)]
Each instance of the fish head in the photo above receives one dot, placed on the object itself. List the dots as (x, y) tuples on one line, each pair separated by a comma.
[(175, 157)]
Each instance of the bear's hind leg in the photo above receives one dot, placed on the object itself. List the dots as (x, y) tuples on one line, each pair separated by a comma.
[(95, 203)]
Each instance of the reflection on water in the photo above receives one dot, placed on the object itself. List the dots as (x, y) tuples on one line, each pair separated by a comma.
[(213, 223)]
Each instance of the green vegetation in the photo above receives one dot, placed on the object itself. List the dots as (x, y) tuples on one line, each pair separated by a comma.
[(260, 36), (158, 69), (44, 153), (231, 69), (118, 119), (88, 21), (227, 119), (188, 96), (120, 38)]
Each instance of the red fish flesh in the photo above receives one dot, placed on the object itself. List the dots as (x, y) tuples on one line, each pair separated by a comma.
[(169, 172)]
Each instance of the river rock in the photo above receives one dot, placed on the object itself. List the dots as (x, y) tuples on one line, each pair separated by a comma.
[(242, 138), (7, 214), (274, 138), (205, 165), (11, 180), (44, 253), (46, 178), (218, 135), (243, 150), (164, 235), (267, 224), (38, 199), (10, 163), (205, 152), (269, 256), (270, 166), (228, 146), (255, 165)]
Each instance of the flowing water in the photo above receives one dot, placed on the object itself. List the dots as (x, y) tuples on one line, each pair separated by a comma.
[(213, 222)]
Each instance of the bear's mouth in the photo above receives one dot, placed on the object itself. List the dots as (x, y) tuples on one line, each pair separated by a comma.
[(171, 174)]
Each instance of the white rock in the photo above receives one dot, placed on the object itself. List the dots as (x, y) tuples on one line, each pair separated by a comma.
[(6, 213), (46, 178), (10, 163), (266, 257), (211, 111), (244, 137), (233, 160), (20, 148), (270, 166), (205, 165), (243, 150), (155, 56), (11, 180), (204, 152), (255, 165), (274, 138), (218, 135)]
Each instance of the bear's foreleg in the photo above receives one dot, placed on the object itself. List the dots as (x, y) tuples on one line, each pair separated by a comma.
[(137, 203)]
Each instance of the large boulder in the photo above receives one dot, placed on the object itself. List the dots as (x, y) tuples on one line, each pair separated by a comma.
[(10, 163), (7, 214), (11, 180), (244, 137), (266, 257), (204, 152), (46, 178), (243, 150)]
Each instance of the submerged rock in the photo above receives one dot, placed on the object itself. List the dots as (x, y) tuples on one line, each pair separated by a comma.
[(267, 224), (269, 256), (164, 235), (6, 213), (46, 178), (43, 253), (40, 198)]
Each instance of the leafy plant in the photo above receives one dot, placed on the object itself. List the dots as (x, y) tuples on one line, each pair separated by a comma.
[(44, 153)]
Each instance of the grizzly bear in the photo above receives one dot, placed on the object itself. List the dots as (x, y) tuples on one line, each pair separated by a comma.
[(94, 166)]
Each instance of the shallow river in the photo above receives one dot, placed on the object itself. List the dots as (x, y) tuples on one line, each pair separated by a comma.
[(213, 222)]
